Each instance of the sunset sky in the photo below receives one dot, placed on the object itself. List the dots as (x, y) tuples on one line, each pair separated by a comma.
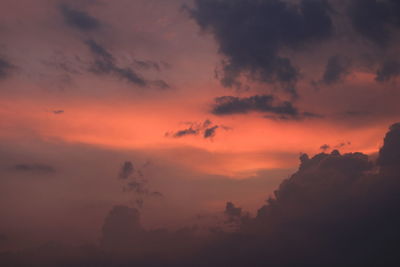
[(210, 101)]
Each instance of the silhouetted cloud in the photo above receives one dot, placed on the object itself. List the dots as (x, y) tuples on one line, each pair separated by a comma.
[(389, 70), (375, 20), (210, 132), (325, 147), (79, 19), (206, 128), (229, 105), (251, 35), (337, 209)]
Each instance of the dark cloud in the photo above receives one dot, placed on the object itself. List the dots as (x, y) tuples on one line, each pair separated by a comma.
[(389, 70), (210, 132), (389, 155), (229, 105), (42, 168), (376, 20), (251, 34), (207, 128), (185, 132), (325, 147), (336, 69), (79, 19), (5, 68), (335, 210), (105, 64)]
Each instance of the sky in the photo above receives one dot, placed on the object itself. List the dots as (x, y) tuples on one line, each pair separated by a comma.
[(172, 109)]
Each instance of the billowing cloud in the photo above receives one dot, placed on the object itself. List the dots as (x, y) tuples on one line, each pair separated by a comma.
[(333, 200), (376, 20), (252, 34)]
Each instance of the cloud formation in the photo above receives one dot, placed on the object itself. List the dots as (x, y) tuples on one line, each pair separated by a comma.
[(230, 105), (377, 21), (207, 129), (252, 34), (337, 209)]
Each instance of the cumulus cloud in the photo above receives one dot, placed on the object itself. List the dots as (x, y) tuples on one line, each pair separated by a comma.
[(337, 209), (375, 20), (252, 34)]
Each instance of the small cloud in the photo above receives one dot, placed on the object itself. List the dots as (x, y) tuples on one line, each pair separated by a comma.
[(58, 112)]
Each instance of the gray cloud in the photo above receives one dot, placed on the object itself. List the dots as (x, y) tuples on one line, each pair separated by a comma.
[(251, 35), (206, 128), (229, 105), (79, 19), (376, 20), (105, 64)]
